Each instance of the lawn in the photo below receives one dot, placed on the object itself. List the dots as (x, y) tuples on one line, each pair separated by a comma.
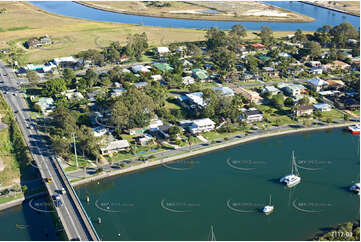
[(333, 115), (357, 112), (73, 35), (272, 114)]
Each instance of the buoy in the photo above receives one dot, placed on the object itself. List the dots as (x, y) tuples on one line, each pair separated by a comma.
[(87, 199), (118, 235), (99, 220)]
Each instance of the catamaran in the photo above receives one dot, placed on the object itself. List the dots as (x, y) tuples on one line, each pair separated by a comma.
[(294, 178), (268, 208), (355, 129)]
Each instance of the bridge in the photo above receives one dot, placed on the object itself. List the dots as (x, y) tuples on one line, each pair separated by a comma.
[(73, 216)]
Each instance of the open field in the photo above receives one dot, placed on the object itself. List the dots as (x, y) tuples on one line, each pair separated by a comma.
[(352, 7), (227, 11), (74, 35)]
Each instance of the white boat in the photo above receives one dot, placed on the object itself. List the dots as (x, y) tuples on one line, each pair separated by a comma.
[(268, 208), (294, 178), (355, 188), (355, 129)]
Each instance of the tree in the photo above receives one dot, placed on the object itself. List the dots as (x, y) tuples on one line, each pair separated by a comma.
[(60, 146), (64, 120), (238, 30), (289, 102), (215, 38), (194, 50), (32, 76), (266, 36), (53, 87), (68, 75), (136, 45), (304, 101), (278, 101), (313, 48), (299, 36), (307, 122), (93, 55), (87, 142), (224, 58), (346, 117), (37, 107), (174, 131)]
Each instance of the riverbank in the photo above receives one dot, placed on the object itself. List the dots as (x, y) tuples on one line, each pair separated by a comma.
[(215, 147), (201, 11), (323, 5)]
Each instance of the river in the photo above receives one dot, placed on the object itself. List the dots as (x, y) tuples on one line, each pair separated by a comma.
[(228, 188), (322, 17)]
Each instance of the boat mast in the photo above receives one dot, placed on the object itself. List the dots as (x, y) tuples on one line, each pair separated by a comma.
[(293, 158), (212, 236), (294, 166), (270, 199)]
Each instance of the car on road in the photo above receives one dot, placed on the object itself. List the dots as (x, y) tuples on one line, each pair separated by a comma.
[(62, 191), (16, 111), (6, 74), (57, 200), (48, 180)]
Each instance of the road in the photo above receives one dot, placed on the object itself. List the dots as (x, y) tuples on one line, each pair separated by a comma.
[(71, 216)]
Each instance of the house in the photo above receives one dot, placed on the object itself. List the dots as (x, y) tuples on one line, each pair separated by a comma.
[(46, 104), (124, 58), (135, 131), (352, 41), (65, 61), (187, 80), (225, 91), (162, 50), (163, 66), (316, 70), (340, 64), (201, 125), (335, 83), (186, 63), (293, 89), (270, 89), (270, 71), (73, 95), (200, 74), (144, 140), (163, 131), (317, 84), (115, 146), (257, 46), (264, 58), (155, 124), (139, 68), (140, 84), (118, 92), (284, 55), (37, 42), (313, 63), (156, 77), (195, 99), (251, 115), (302, 110), (251, 96), (99, 131), (322, 107)]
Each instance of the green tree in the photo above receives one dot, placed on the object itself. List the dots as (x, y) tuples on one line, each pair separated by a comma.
[(266, 36), (215, 38), (289, 102), (136, 45), (224, 58), (278, 101), (68, 75), (32, 76), (53, 87), (299, 36)]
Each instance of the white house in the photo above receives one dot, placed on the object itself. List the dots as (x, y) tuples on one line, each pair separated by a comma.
[(162, 50), (270, 89), (251, 115), (62, 60), (188, 80), (114, 146), (316, 70), (322, 107), (156, 77), (196, 98), (225, 91), (139, 68), (99, 131), (201, 125), (317, 83)]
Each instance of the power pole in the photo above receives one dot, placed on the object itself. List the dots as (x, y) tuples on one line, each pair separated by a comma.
[(76, 156)]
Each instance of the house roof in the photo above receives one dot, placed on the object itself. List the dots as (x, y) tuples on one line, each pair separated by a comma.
[(118, 144), (163, 66), (203, 121), (321, 105), (224, 91), (200, 74), (251, 112), (197, 98), (140, 84), (317, 82), (304, 107), (257, 45), (270, 89), (163, 49), (139, 68)]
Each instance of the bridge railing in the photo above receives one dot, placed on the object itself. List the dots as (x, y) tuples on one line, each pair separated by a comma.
[(86, 219)]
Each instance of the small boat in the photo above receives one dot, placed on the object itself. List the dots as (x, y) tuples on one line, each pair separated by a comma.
[(355, 129), (355, 188), (268, 209), (294, 178)]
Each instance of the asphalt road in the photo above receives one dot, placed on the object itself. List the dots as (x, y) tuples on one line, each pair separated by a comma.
[(69, 213)]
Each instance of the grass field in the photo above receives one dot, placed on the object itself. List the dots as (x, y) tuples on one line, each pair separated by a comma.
[(229, 11), (72, 35), (348, 6)]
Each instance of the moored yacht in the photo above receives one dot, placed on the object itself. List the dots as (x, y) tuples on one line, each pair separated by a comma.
[(294, 178), (355, 188), (355, 129), (268, 208)]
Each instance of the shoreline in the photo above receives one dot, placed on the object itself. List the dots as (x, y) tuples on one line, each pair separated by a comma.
[(89, 5), (150, 164), (329, 8)]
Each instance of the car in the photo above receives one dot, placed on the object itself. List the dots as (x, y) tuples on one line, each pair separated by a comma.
[(6, 74), (16, 111), (63, 191), (48, 180), (56, 197)]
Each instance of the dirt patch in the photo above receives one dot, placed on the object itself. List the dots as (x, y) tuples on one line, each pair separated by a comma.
[(2, 166)]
